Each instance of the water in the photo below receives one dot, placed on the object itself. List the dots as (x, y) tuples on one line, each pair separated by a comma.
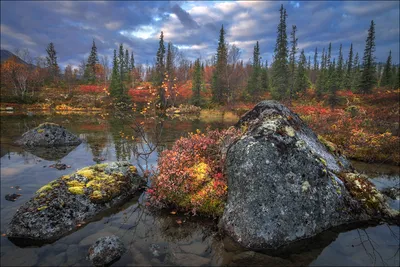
[(157, 238)]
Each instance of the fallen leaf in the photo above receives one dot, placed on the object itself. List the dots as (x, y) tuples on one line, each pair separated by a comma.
[(178, 221), (173, 212)]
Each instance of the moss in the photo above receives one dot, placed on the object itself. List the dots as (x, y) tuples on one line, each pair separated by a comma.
[(329, 145), (87, 172), (75, 183), (96, 196), (42, 195), (42, 208), (76, 190), (45, 188), (99, 167), (40, 130), (323, 161), (364, 191)]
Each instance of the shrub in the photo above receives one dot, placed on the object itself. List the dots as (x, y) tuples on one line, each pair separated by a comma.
[(190, 176)]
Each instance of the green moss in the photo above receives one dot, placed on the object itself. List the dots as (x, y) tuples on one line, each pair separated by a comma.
[(40, 130), (45, 188), (76, 190), (323, 161)]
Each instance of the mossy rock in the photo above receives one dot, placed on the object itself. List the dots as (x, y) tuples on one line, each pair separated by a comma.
[(59, 206)]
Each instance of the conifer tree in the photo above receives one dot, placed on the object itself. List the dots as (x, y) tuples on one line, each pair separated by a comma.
[(328, 58), (321, 79), (301, 81), (387, 72), (51, 60), (292, 60), (356, 75), (265, 78), (349, 69), (339, 69), (115, 84), (253, 86), (197, 83), (160, 71), (132, 62), (368, 78), (316, 60), (333, 85), (121, 66), (127, 69), (90, 69), (280, 68), (219, 79)]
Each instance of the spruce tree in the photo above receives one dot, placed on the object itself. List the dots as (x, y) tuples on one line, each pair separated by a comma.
[(368, 78), (280, 68), (90, 70), (219, 80), (316, 60), (301, 81), (387, 72), (356, 75), (395, 77), (333, 85), (265, 78), (132, 62), (115, 84), (328, 58), (339, 69), (292, 61), (51, 60), (253, 86), (321, 78), (197, 83), (160, 72), (349, 69)]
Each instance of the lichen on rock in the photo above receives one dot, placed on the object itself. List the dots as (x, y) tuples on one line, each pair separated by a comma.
[(58, 207)]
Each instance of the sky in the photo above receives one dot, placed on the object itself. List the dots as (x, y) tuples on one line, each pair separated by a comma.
[(193, 26)]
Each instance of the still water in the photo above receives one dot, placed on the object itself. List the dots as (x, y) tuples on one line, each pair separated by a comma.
[(159, 238)]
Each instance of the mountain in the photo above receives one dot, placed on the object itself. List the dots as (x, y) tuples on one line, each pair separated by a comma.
[(5, 54)]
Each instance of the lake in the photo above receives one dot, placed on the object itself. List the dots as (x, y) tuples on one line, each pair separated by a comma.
[(157, 237)]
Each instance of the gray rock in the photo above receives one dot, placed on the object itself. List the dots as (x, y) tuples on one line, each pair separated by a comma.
[(283, 183), (20, 257), (92, 238), (106, 250), (48, 135), (62, 205)]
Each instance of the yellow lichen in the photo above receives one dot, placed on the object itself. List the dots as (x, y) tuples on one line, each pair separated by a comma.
[(290, 131), (323, 161), (86, 172), (75, 183), (42, 208), (76, 190), (329, 145), (305, 186), (96, 195), (40, 130), (45, 188)]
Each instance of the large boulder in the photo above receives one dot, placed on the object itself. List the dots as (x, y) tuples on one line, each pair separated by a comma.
[(62, 205), (285, 185), (106, 250), (48, 135)]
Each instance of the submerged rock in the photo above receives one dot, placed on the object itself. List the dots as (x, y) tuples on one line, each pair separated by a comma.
[(285, 185), (60, 206), (48, 135), (106, 250)]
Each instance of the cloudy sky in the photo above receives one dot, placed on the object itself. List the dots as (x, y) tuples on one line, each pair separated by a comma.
[(193, 26)]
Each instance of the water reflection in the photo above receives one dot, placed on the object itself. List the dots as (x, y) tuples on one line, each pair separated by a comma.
[(156, 238)]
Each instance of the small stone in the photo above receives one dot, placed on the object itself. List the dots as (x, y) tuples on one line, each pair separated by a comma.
[(92, 238), (106, 250)]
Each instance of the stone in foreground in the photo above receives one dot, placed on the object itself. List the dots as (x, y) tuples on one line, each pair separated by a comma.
[(286, 185), (60, 206), (48, 135), (106, 250)]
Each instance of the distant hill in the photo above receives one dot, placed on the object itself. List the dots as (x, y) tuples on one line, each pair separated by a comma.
[(5, 54)]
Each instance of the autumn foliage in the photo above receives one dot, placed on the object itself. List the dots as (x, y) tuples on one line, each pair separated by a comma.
[(190, 176)]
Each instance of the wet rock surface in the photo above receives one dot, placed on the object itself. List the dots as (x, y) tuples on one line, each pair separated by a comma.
[(106, 250), (286, 185), (48, 135), (65, 203)]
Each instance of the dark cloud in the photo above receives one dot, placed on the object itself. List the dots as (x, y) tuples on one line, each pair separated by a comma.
[(184, 17), (193, 26)]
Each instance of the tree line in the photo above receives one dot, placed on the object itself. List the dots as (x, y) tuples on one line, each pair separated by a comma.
[(227, 76)]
